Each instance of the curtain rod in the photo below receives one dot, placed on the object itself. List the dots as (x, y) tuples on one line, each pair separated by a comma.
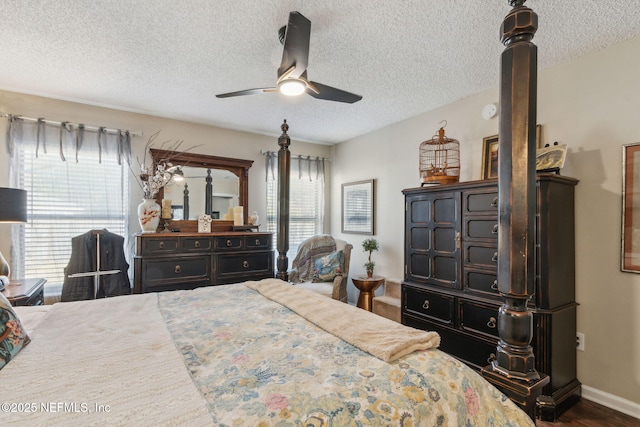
[(297, 156), (90, 128)]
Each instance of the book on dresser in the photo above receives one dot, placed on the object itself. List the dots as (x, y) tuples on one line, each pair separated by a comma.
[(450, 278), (171, 261)]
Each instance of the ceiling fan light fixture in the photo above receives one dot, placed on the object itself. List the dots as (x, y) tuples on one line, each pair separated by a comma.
[(292, 87)]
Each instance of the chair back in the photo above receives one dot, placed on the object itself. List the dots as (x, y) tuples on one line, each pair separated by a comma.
[(346, 248)]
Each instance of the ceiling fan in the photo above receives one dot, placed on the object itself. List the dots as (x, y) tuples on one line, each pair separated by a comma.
[(292, 73)]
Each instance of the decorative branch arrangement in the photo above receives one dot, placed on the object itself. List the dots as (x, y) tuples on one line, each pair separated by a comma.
[(151, 181)]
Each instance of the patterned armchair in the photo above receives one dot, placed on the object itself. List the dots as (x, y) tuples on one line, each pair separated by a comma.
[(322, 265)]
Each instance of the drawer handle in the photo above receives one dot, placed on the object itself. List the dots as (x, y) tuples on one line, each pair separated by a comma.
[(494, 202), (228, 242), (494, 286), (495, 229), (245, 264), (425, 304), (257, 242), (491, 358), (492, 323), (197, 244), (161, 245), (494, 258), (177, 269)]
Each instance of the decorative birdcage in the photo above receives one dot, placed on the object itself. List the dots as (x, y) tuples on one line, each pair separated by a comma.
[(440, 159)]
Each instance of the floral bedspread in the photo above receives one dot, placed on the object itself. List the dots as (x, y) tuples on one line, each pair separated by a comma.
[(258, 363)]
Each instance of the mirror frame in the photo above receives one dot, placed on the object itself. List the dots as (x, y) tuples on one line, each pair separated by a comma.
[(238, 167)]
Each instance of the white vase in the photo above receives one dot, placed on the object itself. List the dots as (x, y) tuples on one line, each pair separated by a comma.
[(149, 215)]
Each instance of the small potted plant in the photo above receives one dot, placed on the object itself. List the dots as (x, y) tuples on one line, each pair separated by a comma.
[(370, 245)]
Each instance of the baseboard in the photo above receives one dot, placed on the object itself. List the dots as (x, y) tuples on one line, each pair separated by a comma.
[(611, 401)]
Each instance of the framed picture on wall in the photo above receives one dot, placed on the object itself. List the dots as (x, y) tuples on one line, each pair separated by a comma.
[(358, 207), (631, 208), (490, 153)]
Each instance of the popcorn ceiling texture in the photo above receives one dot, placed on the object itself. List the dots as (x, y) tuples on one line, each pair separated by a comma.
[(169, 58)]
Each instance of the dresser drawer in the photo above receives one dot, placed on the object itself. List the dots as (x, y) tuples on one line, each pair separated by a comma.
[(481, 228), (260, 242), (176, 269), (428, 304), (229, 243), (475, 317), (197, 244), (164, 245), (244, 263), (481, 201)]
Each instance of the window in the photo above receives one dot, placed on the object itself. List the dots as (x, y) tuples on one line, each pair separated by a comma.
[(306, 199), (89, 190)]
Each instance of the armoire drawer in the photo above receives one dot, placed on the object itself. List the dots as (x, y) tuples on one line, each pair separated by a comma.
[(474, 351), (481, 202), (481, 228), (485, 255), (429, 304), (478, 318), (481, 282)]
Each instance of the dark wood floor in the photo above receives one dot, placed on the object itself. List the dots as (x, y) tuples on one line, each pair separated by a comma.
[(586, 413)]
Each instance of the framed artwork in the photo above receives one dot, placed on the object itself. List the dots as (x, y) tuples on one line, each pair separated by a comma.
[(490, 153), (551, 158), (631, 208), (358, 207)]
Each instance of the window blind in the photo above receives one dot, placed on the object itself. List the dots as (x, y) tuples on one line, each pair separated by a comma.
[(306, 204), (66, 199)]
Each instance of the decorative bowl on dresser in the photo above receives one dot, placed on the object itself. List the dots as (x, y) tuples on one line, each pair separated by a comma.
[(170, 261), (450, 280)]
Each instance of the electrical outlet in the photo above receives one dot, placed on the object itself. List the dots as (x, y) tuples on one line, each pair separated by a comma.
[(580, 341)]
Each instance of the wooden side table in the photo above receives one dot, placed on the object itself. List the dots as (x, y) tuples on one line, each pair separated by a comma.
[(23, 292), (367, 286)]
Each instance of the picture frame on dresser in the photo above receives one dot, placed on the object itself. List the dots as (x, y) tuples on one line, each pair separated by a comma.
[(490, 153), (358, 207), (630, 254), (490, 157)]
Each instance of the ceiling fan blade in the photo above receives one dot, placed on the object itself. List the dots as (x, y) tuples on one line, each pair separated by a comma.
[(296, 45), (332, 94), (247, 92)]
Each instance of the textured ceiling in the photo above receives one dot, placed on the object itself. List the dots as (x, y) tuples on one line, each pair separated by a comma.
[(169, 58)]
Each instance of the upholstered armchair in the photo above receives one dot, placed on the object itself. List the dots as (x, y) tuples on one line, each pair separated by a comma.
[(322, 265)]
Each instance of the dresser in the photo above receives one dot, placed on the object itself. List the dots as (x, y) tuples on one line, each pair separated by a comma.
[(170, 261), (450, 279)]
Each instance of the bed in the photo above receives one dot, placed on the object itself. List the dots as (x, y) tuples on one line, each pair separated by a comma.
[(255, 353)]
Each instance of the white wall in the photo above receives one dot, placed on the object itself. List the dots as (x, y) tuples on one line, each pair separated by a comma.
[(593, 105)]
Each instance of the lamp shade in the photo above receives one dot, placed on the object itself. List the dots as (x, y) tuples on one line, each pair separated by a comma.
[(13, 205)]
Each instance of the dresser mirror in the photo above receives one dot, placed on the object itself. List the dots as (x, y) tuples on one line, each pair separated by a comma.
[(228, 177)]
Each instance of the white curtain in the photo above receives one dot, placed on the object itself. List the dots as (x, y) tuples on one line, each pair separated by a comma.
[(306, 198), (77, 179)]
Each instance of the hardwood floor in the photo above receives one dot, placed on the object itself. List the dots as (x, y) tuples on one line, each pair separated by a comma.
[(586, 413)]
